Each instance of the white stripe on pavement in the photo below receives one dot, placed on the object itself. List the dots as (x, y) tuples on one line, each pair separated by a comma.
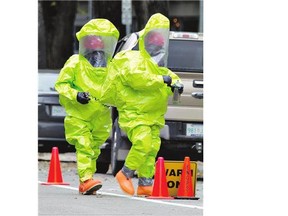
[(131, 197)]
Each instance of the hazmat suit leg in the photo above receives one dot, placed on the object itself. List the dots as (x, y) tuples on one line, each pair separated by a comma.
[(145, 147), (101, 131), (147, 169), (78, 133)]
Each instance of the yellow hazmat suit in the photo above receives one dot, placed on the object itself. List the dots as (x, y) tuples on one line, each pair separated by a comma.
[(87, 125), (135, 86)]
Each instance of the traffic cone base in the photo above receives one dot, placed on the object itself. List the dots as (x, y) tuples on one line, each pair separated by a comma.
[(159, 197), (55, 175), (55, 183), (183, 197), (160, 188)]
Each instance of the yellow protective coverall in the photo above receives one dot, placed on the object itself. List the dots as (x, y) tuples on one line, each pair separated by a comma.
[(135, 86), (87, 126)]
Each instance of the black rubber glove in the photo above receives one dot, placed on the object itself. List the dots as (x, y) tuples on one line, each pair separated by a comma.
[(180, 89), (83, 97), (167, 80)]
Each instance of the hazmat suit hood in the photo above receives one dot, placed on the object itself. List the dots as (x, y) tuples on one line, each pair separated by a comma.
[(97, 41), (154, 39), (80, 75)]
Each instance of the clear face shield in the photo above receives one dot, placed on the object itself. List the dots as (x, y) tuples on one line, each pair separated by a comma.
[(156, 44), (98, 50)]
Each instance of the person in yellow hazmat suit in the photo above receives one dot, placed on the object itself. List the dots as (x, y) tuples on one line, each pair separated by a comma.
[(139, 84), (88, 122)]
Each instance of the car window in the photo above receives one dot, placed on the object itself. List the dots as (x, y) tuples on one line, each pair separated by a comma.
[(46, 82), (190, 59)]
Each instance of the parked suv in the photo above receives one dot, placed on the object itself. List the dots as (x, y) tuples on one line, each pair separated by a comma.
[(182, 134)]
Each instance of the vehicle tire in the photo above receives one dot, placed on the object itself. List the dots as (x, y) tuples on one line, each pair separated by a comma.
[(102, 167), (116, 164)]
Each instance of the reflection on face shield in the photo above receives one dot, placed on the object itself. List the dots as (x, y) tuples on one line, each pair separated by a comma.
[(96, 58), (154, 50), (157, 53), (159, 59)]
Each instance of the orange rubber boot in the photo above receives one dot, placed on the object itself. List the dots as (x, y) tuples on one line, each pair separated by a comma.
[(144, 190), (125, 183), (89, 187)]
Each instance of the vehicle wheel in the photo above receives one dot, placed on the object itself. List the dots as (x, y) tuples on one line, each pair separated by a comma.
[(102, 167), (116, 165)]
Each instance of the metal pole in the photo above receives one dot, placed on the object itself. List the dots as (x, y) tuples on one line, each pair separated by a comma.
[(127, 15), (90, 11), (201, 16), (128, 29)]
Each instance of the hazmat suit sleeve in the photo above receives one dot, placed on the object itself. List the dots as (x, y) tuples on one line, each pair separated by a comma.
[(173, 76), (140, 80), (137, 73), (64, 82)]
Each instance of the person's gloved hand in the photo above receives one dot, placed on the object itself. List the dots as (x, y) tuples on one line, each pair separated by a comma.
[(83, 97), (167, 80), (180, 88)]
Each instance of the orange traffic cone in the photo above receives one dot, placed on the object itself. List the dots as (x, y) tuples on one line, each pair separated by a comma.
[(160, 188), (186, 189), (55, 175)]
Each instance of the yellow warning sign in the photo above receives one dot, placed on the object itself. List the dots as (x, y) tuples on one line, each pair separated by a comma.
[(173, 175)]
